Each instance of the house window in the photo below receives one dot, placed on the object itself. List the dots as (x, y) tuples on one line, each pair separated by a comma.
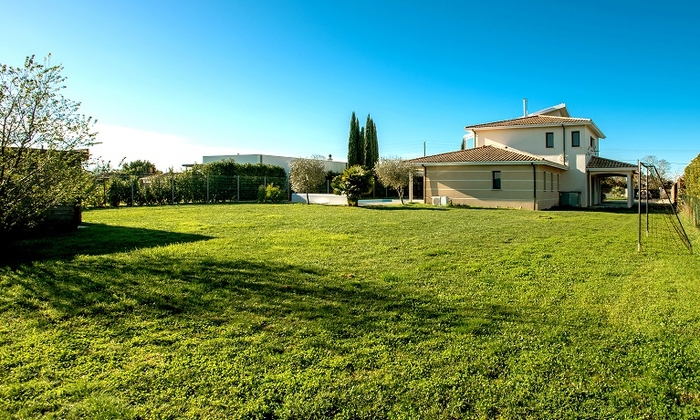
[(592, 143), (549, 140), (551, 181), (558, 184), (496, 178), (575, 139)]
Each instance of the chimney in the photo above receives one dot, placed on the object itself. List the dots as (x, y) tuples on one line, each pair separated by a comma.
[(524, 107)]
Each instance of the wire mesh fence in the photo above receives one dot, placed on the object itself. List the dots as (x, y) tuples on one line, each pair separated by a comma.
[(115, 190), (691, 207), (178, 188)]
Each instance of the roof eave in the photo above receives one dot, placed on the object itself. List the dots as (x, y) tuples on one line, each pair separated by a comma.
[(590, 123), (524, 162)]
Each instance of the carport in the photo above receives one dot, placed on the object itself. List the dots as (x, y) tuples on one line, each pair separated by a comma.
[(599, 168)]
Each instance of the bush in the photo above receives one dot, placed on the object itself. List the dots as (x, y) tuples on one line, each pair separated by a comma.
[(119, 191), (270, 194), (354, 182)]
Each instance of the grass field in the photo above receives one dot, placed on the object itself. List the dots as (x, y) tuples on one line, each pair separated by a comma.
[(294, 311)]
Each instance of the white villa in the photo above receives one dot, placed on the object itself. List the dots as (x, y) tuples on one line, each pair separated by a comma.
[(537, 161)]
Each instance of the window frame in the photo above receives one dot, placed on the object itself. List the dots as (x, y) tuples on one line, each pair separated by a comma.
[(496, 180), (576, 139), (551, 181), (547, 137)]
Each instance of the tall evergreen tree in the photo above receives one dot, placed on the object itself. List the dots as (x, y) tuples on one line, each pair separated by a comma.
[(375, 144), (354, 141), (370, 146), (361, 146)]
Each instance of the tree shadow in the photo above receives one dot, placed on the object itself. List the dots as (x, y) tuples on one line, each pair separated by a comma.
[(402, 207), (216, 292), (654, 208), (89, 239)]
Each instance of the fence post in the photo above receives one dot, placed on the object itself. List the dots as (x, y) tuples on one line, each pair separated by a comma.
[(265, 181), (172, 187), (132, 191), (238, 188), (207, 188)]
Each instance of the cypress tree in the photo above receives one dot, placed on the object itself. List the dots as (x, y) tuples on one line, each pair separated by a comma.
[(375, 145), (363, 146), (354, 152), (370, 146)]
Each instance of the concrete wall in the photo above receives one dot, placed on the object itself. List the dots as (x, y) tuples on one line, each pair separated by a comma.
[(472, 185), (332, 199)]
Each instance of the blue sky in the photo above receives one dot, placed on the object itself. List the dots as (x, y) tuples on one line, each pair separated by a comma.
[(171, 81)]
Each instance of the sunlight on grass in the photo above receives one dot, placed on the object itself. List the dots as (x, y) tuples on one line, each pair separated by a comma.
[(263, 311)]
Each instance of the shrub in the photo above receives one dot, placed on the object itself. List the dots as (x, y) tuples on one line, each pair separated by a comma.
[(270, 194), (354, 182)]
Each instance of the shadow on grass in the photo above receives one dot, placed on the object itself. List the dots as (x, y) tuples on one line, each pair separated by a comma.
[(654, 208), (90, 239), (216, 292), (403, 207)]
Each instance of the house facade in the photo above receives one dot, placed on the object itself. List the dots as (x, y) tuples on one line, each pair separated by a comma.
[(537, 161)]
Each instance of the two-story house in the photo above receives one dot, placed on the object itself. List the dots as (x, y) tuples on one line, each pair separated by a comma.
[(537, 161)]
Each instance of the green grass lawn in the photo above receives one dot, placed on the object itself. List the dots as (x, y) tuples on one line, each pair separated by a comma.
[(295, 311)]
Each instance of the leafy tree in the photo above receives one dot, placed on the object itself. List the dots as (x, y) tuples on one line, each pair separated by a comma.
[(42, 144), (306, 175), (394, 173), (354, 182), (691, 177), (140, 168)]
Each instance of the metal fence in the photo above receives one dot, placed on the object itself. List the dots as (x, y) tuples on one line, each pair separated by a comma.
[(691, 206), (116, 190), (179, 188)]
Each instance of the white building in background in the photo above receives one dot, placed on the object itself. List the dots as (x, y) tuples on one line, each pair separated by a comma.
[(283, 161)]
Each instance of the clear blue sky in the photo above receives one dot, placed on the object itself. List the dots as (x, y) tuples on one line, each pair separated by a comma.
[(170, 81)]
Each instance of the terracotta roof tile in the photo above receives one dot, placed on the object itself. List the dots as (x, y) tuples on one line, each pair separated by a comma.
[(532, 120), (483, 154), (603, 163)]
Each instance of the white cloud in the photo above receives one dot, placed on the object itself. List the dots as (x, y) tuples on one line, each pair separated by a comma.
[(164, 150)]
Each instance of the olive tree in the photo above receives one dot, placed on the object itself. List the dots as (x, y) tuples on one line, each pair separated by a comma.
[(306, 174), (43, 141), (394, 173)]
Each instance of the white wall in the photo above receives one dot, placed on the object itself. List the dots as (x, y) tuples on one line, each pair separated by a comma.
[(532, 140)]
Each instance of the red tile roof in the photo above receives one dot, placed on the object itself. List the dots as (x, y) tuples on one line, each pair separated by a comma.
[(602, 163), (483, 154), (532, 120)]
